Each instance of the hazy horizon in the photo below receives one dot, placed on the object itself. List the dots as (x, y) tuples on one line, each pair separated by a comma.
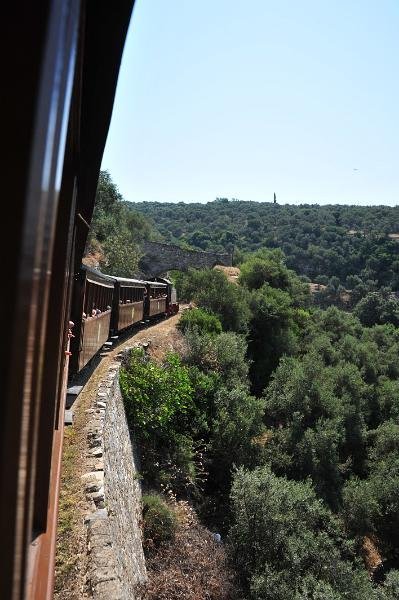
[(226, 100)]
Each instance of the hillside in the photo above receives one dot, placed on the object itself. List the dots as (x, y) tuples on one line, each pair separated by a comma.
[(331, 240)]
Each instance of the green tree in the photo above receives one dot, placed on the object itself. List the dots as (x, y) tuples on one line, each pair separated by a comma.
[(236, 423), (121, 255), (211, 290), (115, 232), (272, 332), (378, 307), (286, 544), (223, 355), (200, 319)]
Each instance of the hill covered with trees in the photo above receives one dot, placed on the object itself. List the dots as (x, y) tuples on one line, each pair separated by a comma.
[(279, 422), (318, 241), (115, 233)]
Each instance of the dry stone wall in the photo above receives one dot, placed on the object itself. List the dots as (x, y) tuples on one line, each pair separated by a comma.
[(116, 564), (159, 258)]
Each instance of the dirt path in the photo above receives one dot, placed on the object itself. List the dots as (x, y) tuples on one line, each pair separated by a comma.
[(71, 539)]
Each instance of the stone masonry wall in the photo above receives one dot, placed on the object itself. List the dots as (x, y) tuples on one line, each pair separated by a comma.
[(116, 564), (159, 258)]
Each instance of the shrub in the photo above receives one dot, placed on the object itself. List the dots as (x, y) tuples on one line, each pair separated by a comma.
[(158, 402), (202, 320), (159, 521), (391, 586), (211, 290), (237, 421), (265, 266), (154, 395)]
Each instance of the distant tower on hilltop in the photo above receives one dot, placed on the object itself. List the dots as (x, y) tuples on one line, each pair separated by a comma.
[(275, 198)]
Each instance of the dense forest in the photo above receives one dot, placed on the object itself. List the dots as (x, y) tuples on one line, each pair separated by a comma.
[(280, 424), (326, 241)]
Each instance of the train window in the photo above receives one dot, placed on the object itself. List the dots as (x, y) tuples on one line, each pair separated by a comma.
[(128, 294), (98, 298)]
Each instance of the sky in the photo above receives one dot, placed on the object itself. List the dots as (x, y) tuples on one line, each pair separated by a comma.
[(244, 99)]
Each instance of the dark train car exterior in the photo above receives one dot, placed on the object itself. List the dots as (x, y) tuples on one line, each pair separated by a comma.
[(156, 299), (93, 297), (60, 63), (128, 305)]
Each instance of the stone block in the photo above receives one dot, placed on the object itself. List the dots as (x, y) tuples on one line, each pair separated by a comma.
[(99, 514)]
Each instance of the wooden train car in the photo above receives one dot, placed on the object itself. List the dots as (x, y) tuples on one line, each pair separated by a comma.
[(105, 305), (60, 67), (156, 299), (93, 299), (172, 305), (128, 304)]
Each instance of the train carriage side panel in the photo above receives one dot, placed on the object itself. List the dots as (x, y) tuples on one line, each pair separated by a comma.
[(92, 312), (60, 74), (172, 306), (128, 306), (156, 299)]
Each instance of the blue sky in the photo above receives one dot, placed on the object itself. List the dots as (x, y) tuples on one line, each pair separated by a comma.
[(241, 99)]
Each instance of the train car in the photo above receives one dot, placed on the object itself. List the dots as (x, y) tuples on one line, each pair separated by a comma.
[(128, 304), (156, 299), (60, 68), (104, 305), (93, 298), (172, 306)]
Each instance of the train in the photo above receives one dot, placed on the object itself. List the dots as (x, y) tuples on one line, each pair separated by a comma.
[(105, 305), (61, 61)]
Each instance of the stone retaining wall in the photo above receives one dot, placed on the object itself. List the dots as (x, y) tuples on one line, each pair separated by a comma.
[(158, 258), (116, 564)]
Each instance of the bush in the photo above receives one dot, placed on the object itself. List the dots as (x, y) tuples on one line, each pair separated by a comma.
[(159, 404), (159, 521), (265, 266), (238, 420), (273, 332), (211, 290), (155, 395), (391, 586), (202, 320)]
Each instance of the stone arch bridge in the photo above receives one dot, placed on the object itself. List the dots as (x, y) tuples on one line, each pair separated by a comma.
[(159, 258)]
